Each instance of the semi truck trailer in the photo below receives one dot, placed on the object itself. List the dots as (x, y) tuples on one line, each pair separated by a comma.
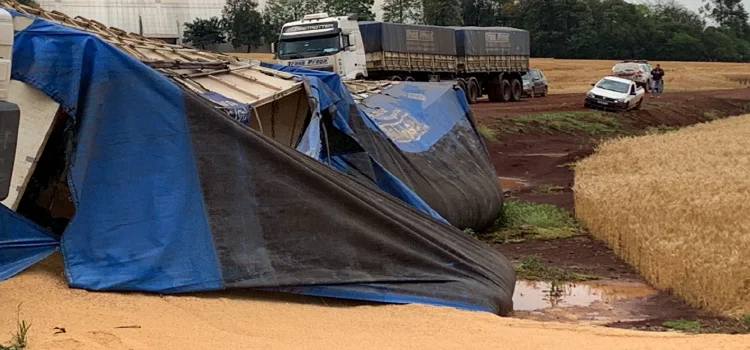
[(481, 60)]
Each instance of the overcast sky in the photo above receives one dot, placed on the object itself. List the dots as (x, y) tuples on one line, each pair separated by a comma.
[(694, 4)]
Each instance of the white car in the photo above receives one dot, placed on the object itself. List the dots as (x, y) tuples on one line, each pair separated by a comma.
[(613, 93), (639, 72)]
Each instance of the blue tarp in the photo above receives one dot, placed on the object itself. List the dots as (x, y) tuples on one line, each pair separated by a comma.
[(421, 141), (328, 90), (172, 196), (22, 243)]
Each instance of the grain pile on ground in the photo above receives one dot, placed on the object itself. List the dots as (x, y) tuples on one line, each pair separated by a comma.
[(676, 207), (242, 320)]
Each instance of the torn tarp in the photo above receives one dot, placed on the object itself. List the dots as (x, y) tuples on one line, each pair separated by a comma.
[(171, 195)]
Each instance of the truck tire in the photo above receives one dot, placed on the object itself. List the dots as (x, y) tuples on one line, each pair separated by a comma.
[(394, 78), (505, 93), (472, 91), (409, 78), (516, 90)]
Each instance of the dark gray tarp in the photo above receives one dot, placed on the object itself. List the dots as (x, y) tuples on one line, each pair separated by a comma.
[(171, 195), (481, 41), (406, 38)]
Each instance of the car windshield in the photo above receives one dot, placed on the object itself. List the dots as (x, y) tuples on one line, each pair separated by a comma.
[(613, 85), (527, 77), (309, 47)]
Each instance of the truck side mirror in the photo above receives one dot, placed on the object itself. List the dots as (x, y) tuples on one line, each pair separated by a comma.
[(273, 48)]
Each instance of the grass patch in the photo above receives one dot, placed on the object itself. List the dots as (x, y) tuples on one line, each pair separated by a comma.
[(19, 339), (721, 325), (546, 189), (661, 129), (569, 166), (684, 325), (712, 114), (586, 122), (522, 221), (532, 269), (486, 132)]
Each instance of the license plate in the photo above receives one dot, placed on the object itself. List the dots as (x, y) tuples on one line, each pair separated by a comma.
[(603, 103)]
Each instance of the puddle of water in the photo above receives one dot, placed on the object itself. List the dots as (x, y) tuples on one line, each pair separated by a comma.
[(511, 183), (531, 295)]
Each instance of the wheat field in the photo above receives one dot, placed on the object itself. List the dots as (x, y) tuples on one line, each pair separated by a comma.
[(571, 76), (676, 206), (574, 76)]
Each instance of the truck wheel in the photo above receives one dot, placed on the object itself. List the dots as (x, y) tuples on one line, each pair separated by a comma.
[(409, 78), (395, 78), (505, 93), (472, 91), (516, 89)]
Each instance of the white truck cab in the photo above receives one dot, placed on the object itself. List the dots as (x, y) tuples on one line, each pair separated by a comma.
[(323, 43)]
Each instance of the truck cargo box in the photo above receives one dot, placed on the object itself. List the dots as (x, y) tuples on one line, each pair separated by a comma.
[(405, 38), (491, 41), (492, 49)]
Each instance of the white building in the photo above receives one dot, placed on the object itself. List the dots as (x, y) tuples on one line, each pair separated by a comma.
[(162, 19)]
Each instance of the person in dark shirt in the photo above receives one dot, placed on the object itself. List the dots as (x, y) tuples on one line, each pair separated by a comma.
[(657, 81)]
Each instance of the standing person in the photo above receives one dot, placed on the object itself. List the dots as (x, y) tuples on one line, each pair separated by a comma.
[(657, 79)]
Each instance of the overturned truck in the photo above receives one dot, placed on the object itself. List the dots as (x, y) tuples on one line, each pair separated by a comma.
[(156, 167)]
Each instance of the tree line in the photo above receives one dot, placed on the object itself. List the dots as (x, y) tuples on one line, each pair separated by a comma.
[(595, 29)]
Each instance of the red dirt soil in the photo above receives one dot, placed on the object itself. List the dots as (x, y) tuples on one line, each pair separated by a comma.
[(540, 158)]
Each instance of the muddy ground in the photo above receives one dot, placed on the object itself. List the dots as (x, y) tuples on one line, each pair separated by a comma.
[(541, 158)]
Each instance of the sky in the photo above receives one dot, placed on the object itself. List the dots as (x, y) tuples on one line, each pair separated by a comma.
[(693, 4)]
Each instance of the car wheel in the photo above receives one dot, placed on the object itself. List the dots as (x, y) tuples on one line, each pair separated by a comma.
[(638, 106), (544, 94)]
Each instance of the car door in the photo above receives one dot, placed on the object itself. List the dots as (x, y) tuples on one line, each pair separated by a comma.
[(536, 82), (632, 95)]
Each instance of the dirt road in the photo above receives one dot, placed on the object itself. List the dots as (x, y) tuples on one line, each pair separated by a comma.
[(541, 159), (574, 102)]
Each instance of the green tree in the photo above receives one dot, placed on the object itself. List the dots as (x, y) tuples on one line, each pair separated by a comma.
[(558, 28), (362, 8), (278, 12), (442, 12), (481, 13), (402, 11), (728, 13), (683, 47), (243, 23), (204, 32)]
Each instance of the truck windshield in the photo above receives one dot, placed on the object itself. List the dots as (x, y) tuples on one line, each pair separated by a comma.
[(309, 47)]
